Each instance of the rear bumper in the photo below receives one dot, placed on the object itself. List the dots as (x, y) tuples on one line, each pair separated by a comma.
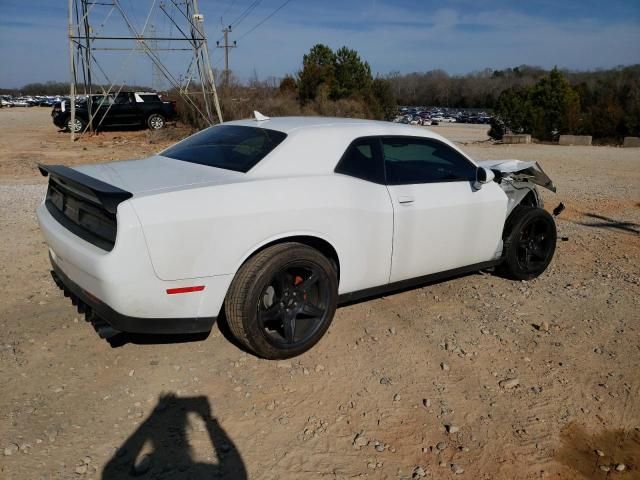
[(120, 289), (108, 322)]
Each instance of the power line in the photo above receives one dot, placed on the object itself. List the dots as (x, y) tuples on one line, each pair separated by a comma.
[(245, 13), (231, 5), (284, 4), (242, 16)]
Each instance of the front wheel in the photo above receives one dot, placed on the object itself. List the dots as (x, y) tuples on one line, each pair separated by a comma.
[(282, 300), (155, 121), (77, 126), (529, 242)]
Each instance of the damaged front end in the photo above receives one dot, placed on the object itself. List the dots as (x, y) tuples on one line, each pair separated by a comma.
[(519, 171), (518, 179)]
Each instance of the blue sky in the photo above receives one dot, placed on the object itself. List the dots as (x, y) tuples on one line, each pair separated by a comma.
[(458, 36)]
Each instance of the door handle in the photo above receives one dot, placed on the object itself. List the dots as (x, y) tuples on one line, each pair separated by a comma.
[(405, 199)]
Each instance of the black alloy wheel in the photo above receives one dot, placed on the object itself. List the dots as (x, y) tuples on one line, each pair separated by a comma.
[(529, 242), (295, 304), (534, 245), (282, 300)]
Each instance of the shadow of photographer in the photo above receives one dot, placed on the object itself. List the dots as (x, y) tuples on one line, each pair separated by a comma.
[(160, 446)]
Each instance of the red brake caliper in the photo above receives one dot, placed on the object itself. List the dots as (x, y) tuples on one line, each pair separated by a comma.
[(297, 281)]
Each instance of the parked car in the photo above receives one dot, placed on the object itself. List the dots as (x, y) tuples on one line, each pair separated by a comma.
[(21, 102), (123, 109), (277, 221), (45, 102)]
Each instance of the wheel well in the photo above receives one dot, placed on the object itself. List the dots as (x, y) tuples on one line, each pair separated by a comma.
[(319, 244), (79, 116), (529, 200)]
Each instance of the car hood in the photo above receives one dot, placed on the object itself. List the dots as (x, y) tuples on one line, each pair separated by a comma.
[(519, 169), (158, 173)]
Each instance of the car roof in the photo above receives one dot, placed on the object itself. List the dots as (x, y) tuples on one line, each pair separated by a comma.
[(315, 144), (291, 124)]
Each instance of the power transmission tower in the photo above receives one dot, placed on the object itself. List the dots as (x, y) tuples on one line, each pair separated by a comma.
[(226, 74), (89, 35), (156, 75)]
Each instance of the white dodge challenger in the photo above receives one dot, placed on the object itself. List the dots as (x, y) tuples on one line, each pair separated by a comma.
[(272, 223)]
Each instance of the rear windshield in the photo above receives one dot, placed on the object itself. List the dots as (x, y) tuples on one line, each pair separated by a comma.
[(230, 147)]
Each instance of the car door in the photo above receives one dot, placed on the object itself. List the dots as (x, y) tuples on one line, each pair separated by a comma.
[(368, 227), (102, 110), (441, 222), (125, 110)]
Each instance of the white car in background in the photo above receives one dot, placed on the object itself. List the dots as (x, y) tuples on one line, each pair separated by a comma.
[(272, 223)]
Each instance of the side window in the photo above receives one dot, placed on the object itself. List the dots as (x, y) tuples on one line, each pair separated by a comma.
[(103, 101), (361, 161), (122, 99), (416, 160)]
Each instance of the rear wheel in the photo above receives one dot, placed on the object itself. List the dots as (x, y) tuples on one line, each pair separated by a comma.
[(155, 121), (282, 300), (529, 242)]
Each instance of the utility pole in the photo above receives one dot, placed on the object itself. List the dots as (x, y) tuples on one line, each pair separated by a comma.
[(202, 58), (72, 83), (156, 73), (226, 31), (87, 61)]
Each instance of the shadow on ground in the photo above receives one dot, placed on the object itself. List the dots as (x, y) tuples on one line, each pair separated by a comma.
[(160, 448), (579, 452), (606, 222), (124, 338)]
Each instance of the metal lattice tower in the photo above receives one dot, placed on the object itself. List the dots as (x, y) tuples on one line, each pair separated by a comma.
[(157, 78), (106, 26)]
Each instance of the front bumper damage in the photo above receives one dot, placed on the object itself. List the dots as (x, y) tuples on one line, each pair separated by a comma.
[(519, 171)]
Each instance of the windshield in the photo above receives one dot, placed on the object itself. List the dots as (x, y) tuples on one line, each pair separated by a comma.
[(230, 147)]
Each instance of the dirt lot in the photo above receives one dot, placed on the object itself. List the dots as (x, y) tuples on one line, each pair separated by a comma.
[(407, 385)]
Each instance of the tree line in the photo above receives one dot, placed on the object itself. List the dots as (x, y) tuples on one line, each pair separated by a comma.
[(52, 88), (329, 83), (601, 103)]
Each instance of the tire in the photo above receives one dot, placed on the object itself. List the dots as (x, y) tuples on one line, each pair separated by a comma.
[(282, 300), (80, 125), (530, 238), (155, 121)]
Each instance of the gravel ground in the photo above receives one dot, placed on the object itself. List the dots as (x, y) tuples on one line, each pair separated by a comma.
[(477, 377)]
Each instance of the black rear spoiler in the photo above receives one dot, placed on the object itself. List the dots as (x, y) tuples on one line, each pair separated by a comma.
[(107, 195)]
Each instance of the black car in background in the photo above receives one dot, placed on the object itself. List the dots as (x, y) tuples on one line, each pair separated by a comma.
[(115, 110)]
